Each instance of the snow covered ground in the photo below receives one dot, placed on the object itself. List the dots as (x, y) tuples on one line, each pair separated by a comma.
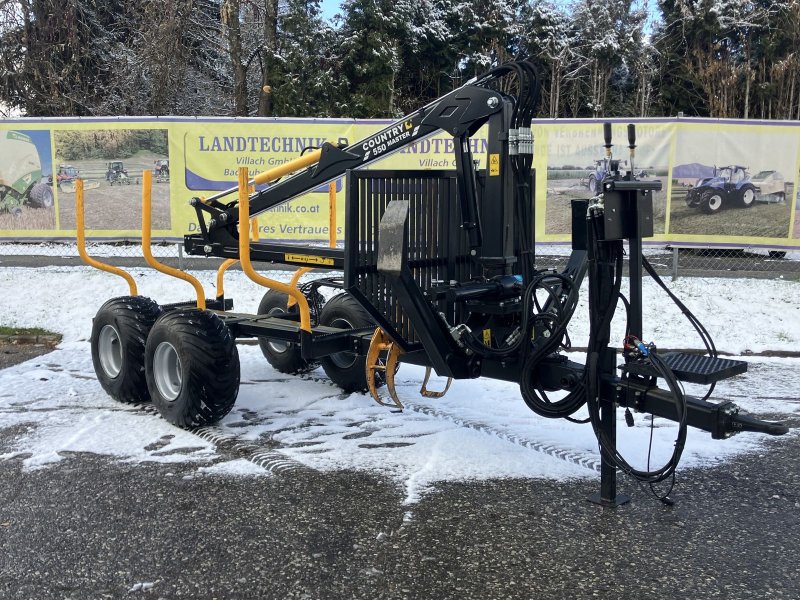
[(480, 430)]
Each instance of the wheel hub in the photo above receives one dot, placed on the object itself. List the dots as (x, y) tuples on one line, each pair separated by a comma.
[(277, 347), (343, 360), (109, 350), (167, 371)]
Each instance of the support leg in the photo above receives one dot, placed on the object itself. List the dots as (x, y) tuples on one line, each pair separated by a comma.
[(608, 472)]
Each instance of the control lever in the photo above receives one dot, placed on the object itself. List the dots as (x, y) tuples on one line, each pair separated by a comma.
[(632, 148), (607, 138)]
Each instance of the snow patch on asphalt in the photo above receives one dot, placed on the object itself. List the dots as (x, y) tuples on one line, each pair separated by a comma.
[(480, 430), (238, 467)]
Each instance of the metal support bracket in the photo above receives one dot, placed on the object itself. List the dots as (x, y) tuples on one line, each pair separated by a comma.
[(382, 356), (424, 391)]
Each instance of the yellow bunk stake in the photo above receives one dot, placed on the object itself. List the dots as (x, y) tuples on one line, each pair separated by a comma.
[(228, 263), (80, 227), (332, 214), (295, 279), (147, 185), (379, 344), (244, 254)]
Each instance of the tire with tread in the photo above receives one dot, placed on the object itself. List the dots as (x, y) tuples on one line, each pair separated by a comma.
[(40, 196), (283, 357), (746, 196), (346, 369), (711, 201), (193, 353), (119, 334)]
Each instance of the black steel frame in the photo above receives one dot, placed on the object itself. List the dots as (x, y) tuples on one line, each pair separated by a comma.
[(430, 254)]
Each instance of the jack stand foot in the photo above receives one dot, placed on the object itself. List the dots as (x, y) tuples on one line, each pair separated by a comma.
[(618, 500)]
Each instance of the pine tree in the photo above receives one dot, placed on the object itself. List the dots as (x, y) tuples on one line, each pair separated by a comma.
[(370, 59), (546, 38), (489, 33), (427, 53), (605, 33), (305, 82)]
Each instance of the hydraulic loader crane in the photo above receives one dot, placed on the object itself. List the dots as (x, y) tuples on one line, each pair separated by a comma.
[(438, 270)]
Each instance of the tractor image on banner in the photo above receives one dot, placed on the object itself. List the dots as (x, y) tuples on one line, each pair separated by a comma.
[(21, 174), (729, 186)]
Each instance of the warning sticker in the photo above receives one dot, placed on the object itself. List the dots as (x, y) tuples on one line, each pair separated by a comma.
[(308, 259), (494, 164)]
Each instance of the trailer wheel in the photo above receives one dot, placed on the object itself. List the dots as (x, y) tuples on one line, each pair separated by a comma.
[(346, 369), (40, 196), (119, 332), (711, 202), (747, 196), (282, 356), (192, 367)]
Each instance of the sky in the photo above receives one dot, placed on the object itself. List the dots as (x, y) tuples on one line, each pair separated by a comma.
[(331, 7), (480, 430)]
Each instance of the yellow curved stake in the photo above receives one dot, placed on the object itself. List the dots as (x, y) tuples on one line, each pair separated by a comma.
[(332, 214), (227, 264), (80, 227), (244, 256), (295, 278), (147, 185)]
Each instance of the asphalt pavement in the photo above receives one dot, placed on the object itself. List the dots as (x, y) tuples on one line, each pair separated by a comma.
[(93, 527)]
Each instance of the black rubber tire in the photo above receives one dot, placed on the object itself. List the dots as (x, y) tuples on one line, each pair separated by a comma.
[(746, 192), (121, 370), (347, 370), (207, 361), (289, 360), (40, 196), (707, 203), (593, 184)]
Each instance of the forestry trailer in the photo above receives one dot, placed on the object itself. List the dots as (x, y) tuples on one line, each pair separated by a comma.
[(438, 269)]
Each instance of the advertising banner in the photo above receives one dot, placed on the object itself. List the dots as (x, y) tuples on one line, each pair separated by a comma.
[(724, 182)]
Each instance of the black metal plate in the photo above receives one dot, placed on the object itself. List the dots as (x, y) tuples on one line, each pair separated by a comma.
[(693, 368)]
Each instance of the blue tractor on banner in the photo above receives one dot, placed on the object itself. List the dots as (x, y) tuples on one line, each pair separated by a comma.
[(729, 186)]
